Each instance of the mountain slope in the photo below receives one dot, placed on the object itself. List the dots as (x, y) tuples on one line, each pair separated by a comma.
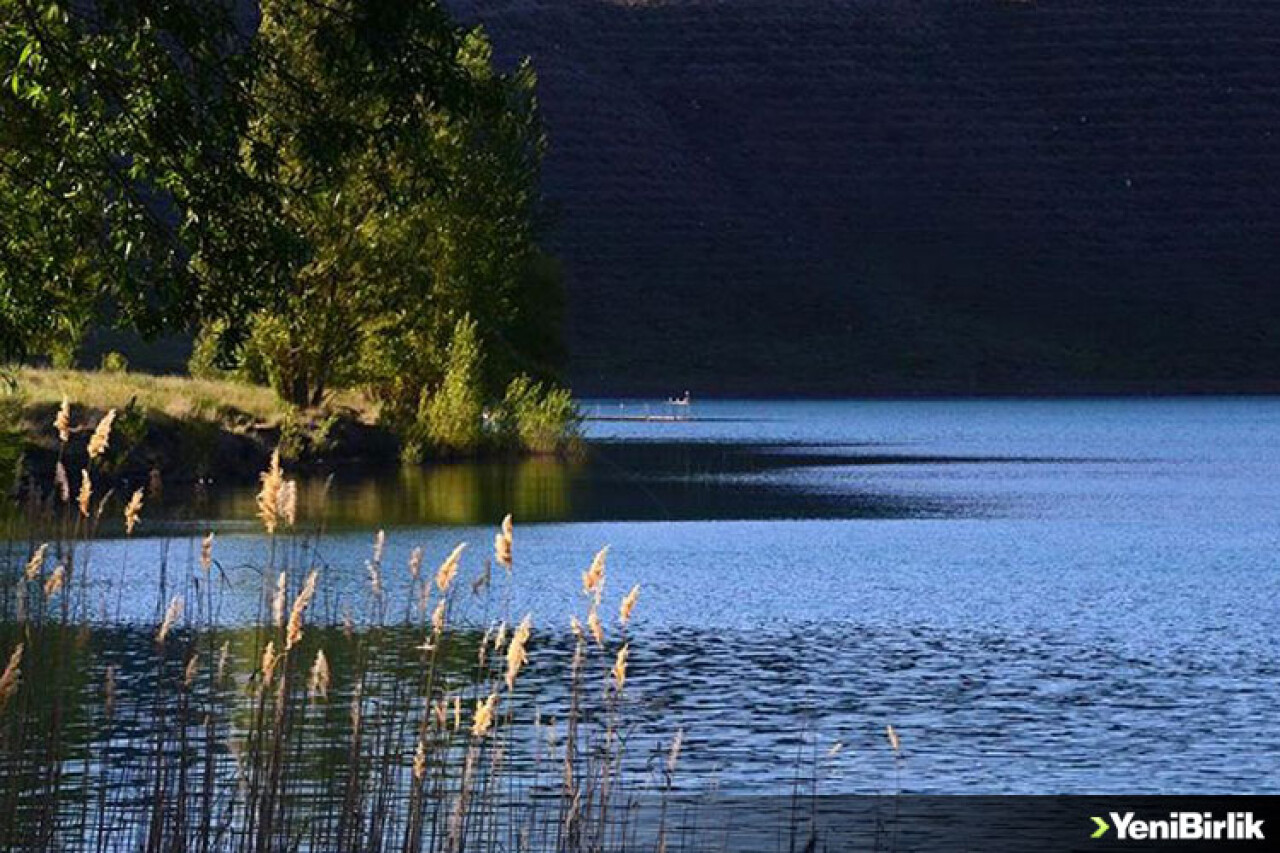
[(840, 196)]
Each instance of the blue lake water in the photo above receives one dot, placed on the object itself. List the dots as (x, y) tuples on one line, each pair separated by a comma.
[(1041, 596)]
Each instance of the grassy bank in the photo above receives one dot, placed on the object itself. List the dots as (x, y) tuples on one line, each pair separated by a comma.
[(186, 428), (174, 396)]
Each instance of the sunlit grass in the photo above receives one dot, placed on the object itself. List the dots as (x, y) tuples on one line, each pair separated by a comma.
[(179, 397)]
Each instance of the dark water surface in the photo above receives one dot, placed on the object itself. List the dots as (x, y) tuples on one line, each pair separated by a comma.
[(1042, 596)]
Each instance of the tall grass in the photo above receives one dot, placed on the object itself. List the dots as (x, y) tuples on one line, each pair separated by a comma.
[(328, 723), (290, 733)]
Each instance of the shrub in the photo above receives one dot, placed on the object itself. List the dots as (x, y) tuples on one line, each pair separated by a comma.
[(62, 355), (114, 362), (451, 418), (212, 358), (206, 355), (534, 418), (13, 403)]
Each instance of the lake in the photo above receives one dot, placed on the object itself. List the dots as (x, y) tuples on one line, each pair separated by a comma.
[(1040, 595)]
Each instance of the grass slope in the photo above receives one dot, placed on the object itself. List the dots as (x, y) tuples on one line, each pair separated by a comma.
[(185, 428)]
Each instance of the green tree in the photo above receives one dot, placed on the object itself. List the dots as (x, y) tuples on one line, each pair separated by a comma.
[(411, 172), (121, 188), (327, 193)]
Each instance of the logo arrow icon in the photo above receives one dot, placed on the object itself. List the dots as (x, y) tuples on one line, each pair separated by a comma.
[(1103, 826)]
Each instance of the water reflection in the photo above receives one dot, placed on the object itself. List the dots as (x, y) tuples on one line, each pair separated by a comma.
[(538, 489), (754, 705), (622, 480)]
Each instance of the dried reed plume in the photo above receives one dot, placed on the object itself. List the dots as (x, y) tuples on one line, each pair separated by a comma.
[(319, 684), (36, 564), (60, 480), (193, 666), (593, 578), (516, 655), (62, 421), (628, 605), (420, 760), (269, 661), (502, 542), (437, 616), (278, 600), (457, 712), (12, 676), (673, 757), (415, 563), (101, 437), (55, 581), (620, 667), (597, 630), (272, 481), (132, 512), (894, 742), (223, 654), (102, 505), (375, 578), (449, 569), (171, 616), (500, 637), (289, 502), (484, 715), (86, 493), (379, 544), (294, 632), (206, 553)]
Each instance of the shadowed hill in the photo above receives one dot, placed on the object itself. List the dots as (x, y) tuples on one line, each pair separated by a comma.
[(836, 196)]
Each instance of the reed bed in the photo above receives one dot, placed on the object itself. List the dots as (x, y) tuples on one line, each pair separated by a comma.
[(309, 730), (328, 724)]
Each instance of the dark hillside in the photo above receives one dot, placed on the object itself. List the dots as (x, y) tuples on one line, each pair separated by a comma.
[(830, 196)]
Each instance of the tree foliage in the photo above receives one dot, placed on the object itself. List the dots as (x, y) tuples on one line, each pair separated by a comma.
[(409, 167), (535, 418), (331, 190), (450, 417), (121, 186)]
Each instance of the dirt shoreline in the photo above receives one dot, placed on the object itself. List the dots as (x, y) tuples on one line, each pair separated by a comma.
[(191, 449)]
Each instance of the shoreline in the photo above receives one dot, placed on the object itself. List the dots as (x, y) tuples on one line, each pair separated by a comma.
[(191, 429)]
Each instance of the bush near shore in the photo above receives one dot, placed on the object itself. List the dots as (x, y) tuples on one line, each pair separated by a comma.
[(189, 428)]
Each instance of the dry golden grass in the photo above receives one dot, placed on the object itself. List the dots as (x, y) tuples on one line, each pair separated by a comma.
[(628, 605), (176, 396), (269, 496), (133, 512), (12, 676)]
